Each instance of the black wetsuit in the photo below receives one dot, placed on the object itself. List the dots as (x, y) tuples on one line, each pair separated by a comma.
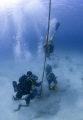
[(25, 85), (23, 89)]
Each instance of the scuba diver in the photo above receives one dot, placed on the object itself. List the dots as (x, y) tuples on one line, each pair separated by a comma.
[(25, 85), (49, 47), (51, 78), (48, 69), (26, 82)]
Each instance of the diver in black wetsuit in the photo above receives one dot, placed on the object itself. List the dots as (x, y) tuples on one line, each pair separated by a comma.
[(26, 82), (24, 87)]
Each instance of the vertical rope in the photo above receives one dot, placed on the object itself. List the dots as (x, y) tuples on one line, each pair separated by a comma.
[(47, 38), (48, 22)]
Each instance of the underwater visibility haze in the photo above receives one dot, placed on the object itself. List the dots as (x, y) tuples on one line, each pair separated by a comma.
[(23, 30)]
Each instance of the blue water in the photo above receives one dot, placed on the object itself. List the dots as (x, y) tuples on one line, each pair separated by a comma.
[(27, 21), (23, 30)]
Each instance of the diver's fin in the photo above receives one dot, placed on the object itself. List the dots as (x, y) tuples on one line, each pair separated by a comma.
[(18, 108), (54, 87), (14, 83), (57, 26), (14, 98)]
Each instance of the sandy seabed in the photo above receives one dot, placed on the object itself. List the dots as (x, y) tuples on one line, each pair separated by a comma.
[(64, 104)]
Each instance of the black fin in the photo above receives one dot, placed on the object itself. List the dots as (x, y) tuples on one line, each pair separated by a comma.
[(14, 83)]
